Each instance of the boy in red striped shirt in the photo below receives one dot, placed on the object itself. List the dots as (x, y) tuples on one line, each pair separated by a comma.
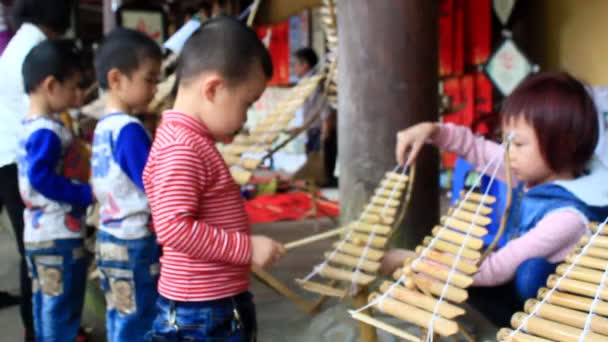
[(197, 208)]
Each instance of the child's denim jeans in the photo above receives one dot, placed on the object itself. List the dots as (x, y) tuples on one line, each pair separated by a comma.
[(129, 275), (229, 320), (58, 269)]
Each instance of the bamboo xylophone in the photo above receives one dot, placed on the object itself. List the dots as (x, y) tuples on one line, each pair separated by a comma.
[(247, 151), (330, 27), (576, 296), (355, 259), (431, 285)]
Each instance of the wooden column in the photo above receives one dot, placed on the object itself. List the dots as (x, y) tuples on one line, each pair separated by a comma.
[(388, 65)]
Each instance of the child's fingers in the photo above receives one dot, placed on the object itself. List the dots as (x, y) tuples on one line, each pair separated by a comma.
[(403, 145), (413, 153)]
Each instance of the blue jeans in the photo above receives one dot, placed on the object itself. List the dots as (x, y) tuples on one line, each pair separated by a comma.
[(58, 270), (129, 275), (228, 319)]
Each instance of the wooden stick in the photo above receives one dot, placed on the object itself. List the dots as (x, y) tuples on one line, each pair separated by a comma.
[(504, 334), (367, 333), (419, 300), (445, 246), (371, 254), (576, 287), (448, 260), (572, 301), (458, 238), (580, 273), (347, 260), (476, 197), (569, 317), (457, 279), (364, 240), (468, 217), (553, 330), (349, 276), (279, 287), (409, 313), (386, 327), (321, 288), (472, 207), (314, 238)]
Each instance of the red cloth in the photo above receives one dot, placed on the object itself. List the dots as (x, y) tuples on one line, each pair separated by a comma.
[(287, 206)]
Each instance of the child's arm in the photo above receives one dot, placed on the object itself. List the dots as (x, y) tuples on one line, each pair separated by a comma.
[(553, 238), (179, 178), (43, 150), (131, 153)]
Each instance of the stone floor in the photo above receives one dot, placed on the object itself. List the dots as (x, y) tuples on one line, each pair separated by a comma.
[(279, 319)]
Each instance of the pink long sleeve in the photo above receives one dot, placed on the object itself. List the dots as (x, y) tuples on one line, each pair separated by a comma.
[(553, 238), (475, 149)]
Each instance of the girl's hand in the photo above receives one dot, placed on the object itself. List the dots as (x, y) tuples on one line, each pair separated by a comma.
[(411, 140)]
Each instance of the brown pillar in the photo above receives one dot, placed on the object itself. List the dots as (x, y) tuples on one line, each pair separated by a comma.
[(387, 81)]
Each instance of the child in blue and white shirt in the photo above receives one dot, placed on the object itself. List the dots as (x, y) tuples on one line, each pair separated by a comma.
[(55, 204), (128, 67)]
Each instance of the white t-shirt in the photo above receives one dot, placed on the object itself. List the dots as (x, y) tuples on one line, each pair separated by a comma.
[(14, 103)]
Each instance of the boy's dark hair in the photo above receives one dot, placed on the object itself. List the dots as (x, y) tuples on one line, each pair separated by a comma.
[(54, 15), (58, 58), (307, 55), (124, 49), (224, 45), (563, 116)]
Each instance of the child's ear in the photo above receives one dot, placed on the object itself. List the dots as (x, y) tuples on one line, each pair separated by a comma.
[(114, 77), (49, 84), (210, 85)]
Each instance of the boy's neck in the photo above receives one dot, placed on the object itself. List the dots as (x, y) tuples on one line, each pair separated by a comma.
[(38, 107), (188, 106), (115, 104)]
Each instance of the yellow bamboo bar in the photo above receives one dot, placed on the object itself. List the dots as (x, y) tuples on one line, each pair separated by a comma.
[(368, 228), (371, 254), (504, 334), (594, 226), (365, 239), (458, 238), (390, 193), (597, 252), (448, 260), (409, 313), (573, 301), (577, 287), (375, 218), (580, 273), (569, 317), (463, 226), (457, 279), (422, 301), (389, 184), (395, 176), (463, 215), (453, 294), (472, 207), (347, 260), (599, 241), (448, 247), (385, 201), (250, 163), (587, 261), (381, 210), (340, 274), (477, 197), (240, 176), (231, 159), (553, 330)]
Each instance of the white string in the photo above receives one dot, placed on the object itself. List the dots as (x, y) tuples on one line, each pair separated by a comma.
[(372, 235), (591, 313), (524, 323), (319, 267), (430, 328)]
